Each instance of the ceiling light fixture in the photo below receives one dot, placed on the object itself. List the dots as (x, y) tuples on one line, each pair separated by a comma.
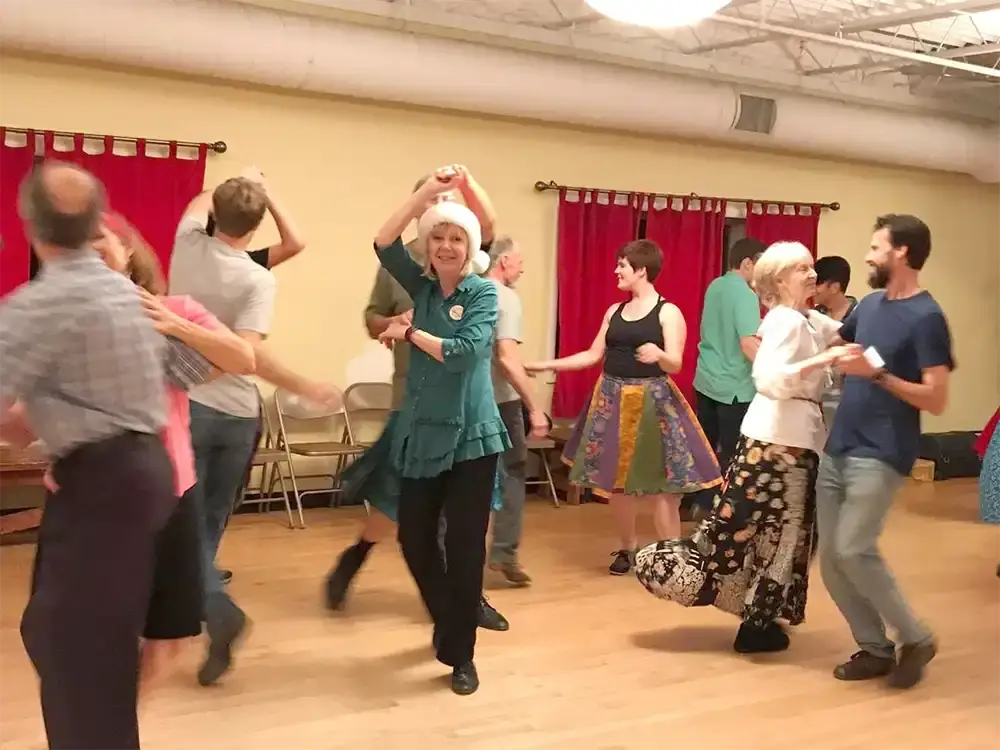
[(658, 14)]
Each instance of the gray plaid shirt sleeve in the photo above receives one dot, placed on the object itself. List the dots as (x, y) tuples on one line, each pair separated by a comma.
[(29, 347), (184, 367)]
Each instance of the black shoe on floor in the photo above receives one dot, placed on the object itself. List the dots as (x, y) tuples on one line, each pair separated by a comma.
[(339, 581), (864, 665), (226, 625), (909, 670), (490, 619), (623, 562), (226, 576), (755, 640), (465, 679)]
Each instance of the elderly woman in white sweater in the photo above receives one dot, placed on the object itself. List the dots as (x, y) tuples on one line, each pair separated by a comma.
[(751, 557)]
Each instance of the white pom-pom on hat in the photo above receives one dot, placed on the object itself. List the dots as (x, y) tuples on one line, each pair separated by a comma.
[(450, 212), (481, 263)]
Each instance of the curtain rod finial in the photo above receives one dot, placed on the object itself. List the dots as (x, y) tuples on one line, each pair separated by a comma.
[(834, 206), (219, 147), (541, 186)]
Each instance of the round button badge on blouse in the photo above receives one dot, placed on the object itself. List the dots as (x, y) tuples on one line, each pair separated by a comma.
[(456, 312)]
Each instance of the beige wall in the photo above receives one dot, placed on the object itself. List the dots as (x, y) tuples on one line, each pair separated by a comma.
[(343, 166)]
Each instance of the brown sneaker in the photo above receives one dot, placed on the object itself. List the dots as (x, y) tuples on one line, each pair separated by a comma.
[(909, 670), (513, 574), (864, 666)]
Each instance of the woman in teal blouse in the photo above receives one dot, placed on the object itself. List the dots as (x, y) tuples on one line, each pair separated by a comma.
[(448, 434)]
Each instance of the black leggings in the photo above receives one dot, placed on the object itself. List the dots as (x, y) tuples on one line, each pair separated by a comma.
[(451, 588)]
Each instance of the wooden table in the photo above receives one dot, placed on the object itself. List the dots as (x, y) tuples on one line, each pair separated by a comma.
[(21, 468)]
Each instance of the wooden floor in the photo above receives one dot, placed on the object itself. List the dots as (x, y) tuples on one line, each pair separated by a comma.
[(591, 661)]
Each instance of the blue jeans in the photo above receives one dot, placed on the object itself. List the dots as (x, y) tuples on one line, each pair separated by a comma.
[(223, 446), (853, 497)]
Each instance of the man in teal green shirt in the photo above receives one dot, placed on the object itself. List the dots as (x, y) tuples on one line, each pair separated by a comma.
[(723, 382)]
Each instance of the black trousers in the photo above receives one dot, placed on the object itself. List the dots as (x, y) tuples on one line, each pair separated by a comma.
[(91, 588), (451, 588), (177, 605), (721, 423)]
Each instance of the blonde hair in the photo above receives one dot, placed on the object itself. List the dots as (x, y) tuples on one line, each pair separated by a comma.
[(771, 267), (470, 253)]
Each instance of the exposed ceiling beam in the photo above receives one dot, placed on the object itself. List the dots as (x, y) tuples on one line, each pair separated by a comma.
[(875, 49), (879, 21), (881, 67)]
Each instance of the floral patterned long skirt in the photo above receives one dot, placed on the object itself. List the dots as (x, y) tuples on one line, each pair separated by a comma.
[(751, 556)]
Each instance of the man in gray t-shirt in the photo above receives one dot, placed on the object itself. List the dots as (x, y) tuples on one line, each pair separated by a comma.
[(215, 270), (511, 386)]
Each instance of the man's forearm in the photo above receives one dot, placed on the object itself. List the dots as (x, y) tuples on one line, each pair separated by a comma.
[(517, 376), (275, 373), (479, 203), (918, 395), (376, 324), (288, 231)]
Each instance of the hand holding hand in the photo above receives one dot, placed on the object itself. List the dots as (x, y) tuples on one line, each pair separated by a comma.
[(540, 425), (165, 322), (396, 331), (323, 394), (649, 354), (854, 362)]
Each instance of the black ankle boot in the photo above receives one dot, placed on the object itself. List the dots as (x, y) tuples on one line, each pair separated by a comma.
[(338, 582), (756, 640)]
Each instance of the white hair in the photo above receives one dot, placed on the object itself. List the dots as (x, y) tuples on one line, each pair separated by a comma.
[(771, 266)]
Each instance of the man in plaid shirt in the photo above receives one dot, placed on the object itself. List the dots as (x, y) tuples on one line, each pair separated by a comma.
[(82, 359)]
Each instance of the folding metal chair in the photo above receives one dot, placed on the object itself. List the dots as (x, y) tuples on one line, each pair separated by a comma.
[(367, 407), (293, 411), (273, 462)]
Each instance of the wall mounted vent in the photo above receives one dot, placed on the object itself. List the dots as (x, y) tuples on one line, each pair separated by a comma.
[(755, 114)]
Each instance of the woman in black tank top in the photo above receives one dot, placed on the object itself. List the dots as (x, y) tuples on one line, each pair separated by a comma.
[(637, 436)]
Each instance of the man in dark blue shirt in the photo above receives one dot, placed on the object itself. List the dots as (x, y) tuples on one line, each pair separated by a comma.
[(898, 364)]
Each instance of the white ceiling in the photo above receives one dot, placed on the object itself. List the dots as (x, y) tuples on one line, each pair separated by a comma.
[(892, 51)]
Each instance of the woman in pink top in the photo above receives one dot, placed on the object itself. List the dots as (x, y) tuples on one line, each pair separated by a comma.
[(176, 607)]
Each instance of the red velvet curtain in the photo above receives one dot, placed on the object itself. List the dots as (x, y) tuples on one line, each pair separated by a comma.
[(15, 254), (691, 234), (151, 192), (592, 227), (784, 222)]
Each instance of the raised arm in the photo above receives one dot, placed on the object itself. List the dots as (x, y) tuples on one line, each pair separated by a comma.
[(290, 239), (581, 360), (392, 253), (478, 202)]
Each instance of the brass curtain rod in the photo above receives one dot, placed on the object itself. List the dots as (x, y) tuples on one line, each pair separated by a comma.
[(542, 187), (218, 147)]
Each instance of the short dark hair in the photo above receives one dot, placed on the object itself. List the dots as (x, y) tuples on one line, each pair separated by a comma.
[(747, 248), (238, 205), (643, 254), (910, 232), (50, 225), (833, 268)]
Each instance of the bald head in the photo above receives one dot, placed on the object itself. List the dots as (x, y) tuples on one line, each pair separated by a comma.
[(62, 205)]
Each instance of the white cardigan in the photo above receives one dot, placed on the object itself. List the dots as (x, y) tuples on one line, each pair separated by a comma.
[(787, 409)]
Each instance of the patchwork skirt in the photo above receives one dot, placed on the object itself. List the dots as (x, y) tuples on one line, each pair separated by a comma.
[(639, 436), (989, 481), (751, 556), (374, 478)]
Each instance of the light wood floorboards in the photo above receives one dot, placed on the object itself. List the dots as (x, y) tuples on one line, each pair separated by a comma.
[(591, 661)]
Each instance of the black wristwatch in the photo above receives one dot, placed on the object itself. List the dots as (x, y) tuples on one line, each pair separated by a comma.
[(408, 336)]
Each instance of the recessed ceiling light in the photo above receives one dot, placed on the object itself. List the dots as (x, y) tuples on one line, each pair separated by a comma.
[(658, 14)]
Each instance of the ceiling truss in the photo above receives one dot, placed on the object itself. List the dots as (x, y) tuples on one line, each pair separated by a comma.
[(941, 55)]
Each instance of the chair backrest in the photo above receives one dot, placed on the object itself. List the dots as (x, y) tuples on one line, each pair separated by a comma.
[(367, 407), (296, 413)]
